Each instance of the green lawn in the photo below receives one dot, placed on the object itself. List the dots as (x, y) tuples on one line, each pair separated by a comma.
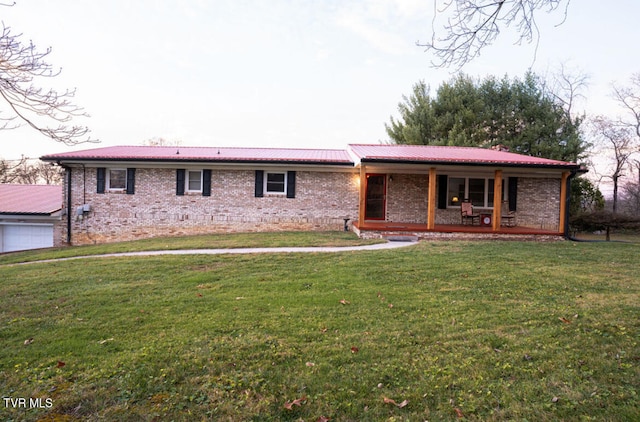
[(488, 331)]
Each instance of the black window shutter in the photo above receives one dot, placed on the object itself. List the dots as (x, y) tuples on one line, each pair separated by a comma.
[(101, 176), (442, 191), (259, 184), (513, 193), (180, 174), (131, 181), (206, 182), (291, 184)]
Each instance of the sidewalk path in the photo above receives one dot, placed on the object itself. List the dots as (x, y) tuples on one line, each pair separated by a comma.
[(238, 251)]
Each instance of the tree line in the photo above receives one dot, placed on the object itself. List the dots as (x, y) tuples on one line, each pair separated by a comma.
[(30, 172)]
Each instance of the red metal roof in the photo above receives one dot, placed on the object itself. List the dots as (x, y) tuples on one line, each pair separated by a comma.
[(30, 199), (449, 154), (180, 153), (367, 153)]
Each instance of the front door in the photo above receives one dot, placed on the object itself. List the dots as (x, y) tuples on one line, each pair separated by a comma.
[(376, 197)]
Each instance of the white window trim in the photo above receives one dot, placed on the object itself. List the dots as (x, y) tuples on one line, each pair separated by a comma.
[(505, 190), (266, 179), (108, 181), (186, 181)]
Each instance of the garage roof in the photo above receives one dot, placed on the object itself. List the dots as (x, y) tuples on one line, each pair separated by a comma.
[(30, 199)]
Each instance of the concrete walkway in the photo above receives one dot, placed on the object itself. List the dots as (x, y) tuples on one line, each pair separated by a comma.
[(239, 251)]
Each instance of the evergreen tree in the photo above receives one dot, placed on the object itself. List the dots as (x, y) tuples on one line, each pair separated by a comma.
[(515, 113)]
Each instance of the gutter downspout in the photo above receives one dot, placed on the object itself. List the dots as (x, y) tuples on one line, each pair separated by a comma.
[(566, 209), (68, 170)]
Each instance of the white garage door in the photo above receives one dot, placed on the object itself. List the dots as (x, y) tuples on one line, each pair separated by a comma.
[(27, 236)]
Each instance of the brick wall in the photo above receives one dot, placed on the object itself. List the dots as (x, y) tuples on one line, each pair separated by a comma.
[(539, 203), (322, 201), (407, 196)]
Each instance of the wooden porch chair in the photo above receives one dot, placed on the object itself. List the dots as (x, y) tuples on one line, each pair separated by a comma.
[(466, 213)]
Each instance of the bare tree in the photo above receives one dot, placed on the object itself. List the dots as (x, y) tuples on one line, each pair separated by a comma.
[(29, 172), (46, 110), (472, 25), (618, 139), (161, 142), (48, 173), (8, 169), (628, 96), (566, 87), (631, 191)]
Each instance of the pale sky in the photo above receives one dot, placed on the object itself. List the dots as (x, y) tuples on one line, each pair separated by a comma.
[(282, 73)]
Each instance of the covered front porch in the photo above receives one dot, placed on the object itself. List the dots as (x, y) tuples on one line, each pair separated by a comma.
[(425, 202)]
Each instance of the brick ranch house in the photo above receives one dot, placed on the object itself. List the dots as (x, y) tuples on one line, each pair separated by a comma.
[(131, 192)]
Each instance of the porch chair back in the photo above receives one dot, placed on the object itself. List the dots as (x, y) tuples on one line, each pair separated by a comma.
[(466, 213)]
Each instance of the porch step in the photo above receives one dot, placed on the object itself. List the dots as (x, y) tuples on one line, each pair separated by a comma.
[(400, 238)]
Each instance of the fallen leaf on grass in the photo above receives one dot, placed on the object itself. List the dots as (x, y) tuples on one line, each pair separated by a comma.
[(310, 364), (345, 302), (393, 402), (323, 419), (60, 364), (563, 319), (199, 295), (28, 341), (105, 340), (459, 413), (354, 349), (297, 402)]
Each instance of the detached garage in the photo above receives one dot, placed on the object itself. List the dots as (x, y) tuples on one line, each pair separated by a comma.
[(29, 216)]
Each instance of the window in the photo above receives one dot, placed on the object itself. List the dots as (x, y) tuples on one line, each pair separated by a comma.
[(194, 181), (456, 191), (116, 179), (479, 191), (476, 192), (276, 183)]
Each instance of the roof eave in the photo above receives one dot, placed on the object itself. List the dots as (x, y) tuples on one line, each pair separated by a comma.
[(475, 164), (26, 213), (80, 160)]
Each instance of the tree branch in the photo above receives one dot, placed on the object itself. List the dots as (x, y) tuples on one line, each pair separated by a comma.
[(20, 66), (475, 24)]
